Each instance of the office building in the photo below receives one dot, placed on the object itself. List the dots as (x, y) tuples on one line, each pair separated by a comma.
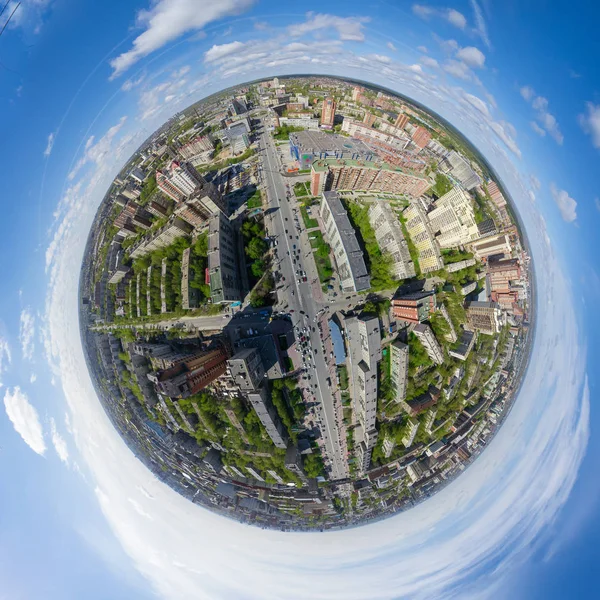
[(460, 170), (328, 113), (223, 273), (179, 180), (401, 121), (430, 343), (161, 238), (138, 175), (350, 262), (411, 432), (246, 369), (189, 294), (466, 343), (420, 137), (308, 146), (364, 342), (332, 174), (390, 239), (265, 411), (419, 230), (415, 307), (399, 369), (491, 246), (189, 377), (484, 317), (452, 220)]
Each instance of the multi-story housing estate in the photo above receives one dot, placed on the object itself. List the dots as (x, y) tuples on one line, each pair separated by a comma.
[(161, 238), (390, 238), (189, 294), (341, 236), (491, 246), (364, 340), (198, 150), (260, 401), (247, 369), (223, 272), (401, 120), (419, 230), (179, 180), (398, 139), (484, 316), (502, 272), (460, 170), (190, 376), (420, 137), (328, 113), (399, 369), (430, 343), (452, 219), (331, 174), (415, 307)]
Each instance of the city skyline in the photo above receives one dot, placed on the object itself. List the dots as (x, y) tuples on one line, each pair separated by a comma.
[(71, 182)]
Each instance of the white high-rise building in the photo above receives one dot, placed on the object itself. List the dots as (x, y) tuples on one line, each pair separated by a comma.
[(390, 238), (452, 220), (179, 180), (399, 369), (364, 340)]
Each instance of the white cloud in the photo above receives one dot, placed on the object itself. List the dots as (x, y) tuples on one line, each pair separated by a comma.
[(544, 117), (541, 132), (219, 51), (27, 333), (227, 31), (391, 46), (535, 182), (422, 49), (479, 104), (430, 62), (49, 144), (261, 25), (5, 357), (450, 15), (25, 419), (131, 83), (566, 205), (32, 378), (348, 28), (96, 151), (527, 92), (167, 20), (457, 69), (455, 18), (590, 122), (471, 56), (480, 25), (60, 446), (597, 203), (380, 58)]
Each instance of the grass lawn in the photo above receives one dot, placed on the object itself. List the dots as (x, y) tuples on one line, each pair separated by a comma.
[(309, 222), (321, 255), (301, 189), (255, 201)]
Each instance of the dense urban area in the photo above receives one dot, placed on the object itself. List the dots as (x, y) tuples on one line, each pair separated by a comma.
[(306, 303)]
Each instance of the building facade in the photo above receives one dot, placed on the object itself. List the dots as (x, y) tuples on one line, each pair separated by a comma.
[(453, 220), (328, 113), (430, 343), (399, 369), (223, 272), (350, 262), (390, 238), (419, 230), (484, 317)]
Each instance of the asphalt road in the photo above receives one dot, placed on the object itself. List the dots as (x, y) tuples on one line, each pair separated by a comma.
[(303, 300)]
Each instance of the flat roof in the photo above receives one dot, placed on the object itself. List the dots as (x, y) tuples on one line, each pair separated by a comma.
[(318, 141), (352, 249)]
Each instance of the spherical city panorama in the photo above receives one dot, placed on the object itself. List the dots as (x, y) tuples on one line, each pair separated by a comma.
[(306, 303)]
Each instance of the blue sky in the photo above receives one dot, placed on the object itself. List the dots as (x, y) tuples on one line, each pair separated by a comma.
[(82, 85)]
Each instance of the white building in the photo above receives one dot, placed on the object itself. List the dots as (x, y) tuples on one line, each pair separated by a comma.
[(430, 343), (364, 342), (460, 170), (390, 238), (399, 369), (411, 432), (453, 220)]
